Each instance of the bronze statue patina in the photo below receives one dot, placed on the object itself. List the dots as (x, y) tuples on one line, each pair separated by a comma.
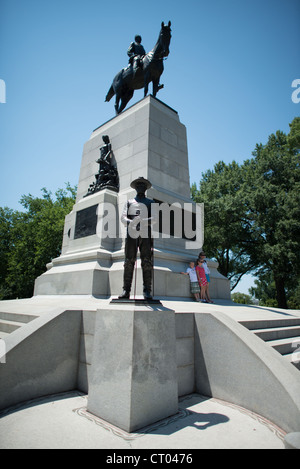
[(136, 76), (107, 176), (136, 52), (138, 216)]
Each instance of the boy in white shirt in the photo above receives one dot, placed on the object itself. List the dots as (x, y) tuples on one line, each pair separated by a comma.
[(195, 288)]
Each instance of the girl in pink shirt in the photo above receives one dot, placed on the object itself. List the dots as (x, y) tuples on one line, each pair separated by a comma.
[(202, 280)]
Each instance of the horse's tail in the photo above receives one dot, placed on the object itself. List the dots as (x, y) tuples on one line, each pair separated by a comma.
[(110, 93)]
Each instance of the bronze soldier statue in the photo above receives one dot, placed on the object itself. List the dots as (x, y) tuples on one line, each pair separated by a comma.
[(138, 214), (145, 69), (136, 52)]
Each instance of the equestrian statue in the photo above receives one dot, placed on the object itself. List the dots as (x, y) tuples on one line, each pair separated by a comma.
[(142, 70)]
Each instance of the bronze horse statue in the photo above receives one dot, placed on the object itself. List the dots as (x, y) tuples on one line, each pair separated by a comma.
[(128, 80)]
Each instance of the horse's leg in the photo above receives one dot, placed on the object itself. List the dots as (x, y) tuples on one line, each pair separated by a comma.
[(125, 99), (146, 87), (155, 84), (117, 103), (146, 83), (123, 105)]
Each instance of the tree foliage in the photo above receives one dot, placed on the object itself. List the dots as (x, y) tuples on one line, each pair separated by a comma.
[(252, 214), (30, 239), (226, 227), (242, 298)]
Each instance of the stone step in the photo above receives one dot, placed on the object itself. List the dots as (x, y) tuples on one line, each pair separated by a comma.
[(9, 321), (270, 323), (283, 335), (9, 326), (285, 346), (19, 317), (274, 333)]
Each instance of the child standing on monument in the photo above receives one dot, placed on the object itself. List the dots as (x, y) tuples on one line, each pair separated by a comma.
[(195, 288), (202, 280), (202, 256)]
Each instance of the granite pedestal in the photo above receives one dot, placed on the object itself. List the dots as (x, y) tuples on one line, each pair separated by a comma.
[(134, 373), (147, 140)]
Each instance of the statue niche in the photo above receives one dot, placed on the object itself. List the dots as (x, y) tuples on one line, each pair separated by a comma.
[(107, 176)]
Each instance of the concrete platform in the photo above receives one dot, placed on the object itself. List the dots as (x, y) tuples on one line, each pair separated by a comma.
[(39, 304), (62, 422)]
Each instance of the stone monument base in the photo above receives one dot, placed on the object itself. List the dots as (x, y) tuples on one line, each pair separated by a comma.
[(134, 375), (135, 302), (99, 273), (147, 140)]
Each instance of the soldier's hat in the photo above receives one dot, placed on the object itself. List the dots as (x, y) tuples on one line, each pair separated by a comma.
[(139, 180)]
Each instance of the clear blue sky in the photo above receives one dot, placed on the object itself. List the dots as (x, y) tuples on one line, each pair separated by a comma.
[(228, 75)]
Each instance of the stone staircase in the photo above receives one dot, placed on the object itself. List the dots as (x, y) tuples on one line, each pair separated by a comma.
[(9, 322), (281, 334)]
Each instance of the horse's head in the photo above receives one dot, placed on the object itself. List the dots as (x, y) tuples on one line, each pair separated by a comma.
[(165, 38)]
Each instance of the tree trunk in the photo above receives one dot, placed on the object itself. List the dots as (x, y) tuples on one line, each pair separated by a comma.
[(280, 292)]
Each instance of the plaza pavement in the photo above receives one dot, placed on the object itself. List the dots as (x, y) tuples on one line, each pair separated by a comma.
[(62, 421)]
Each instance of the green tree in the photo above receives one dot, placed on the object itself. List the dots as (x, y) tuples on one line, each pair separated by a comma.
[(226, 228), (252, 214), (272, 199), (7, 220), (294, 297), (30, 239), (241, 298), (264, 290)]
